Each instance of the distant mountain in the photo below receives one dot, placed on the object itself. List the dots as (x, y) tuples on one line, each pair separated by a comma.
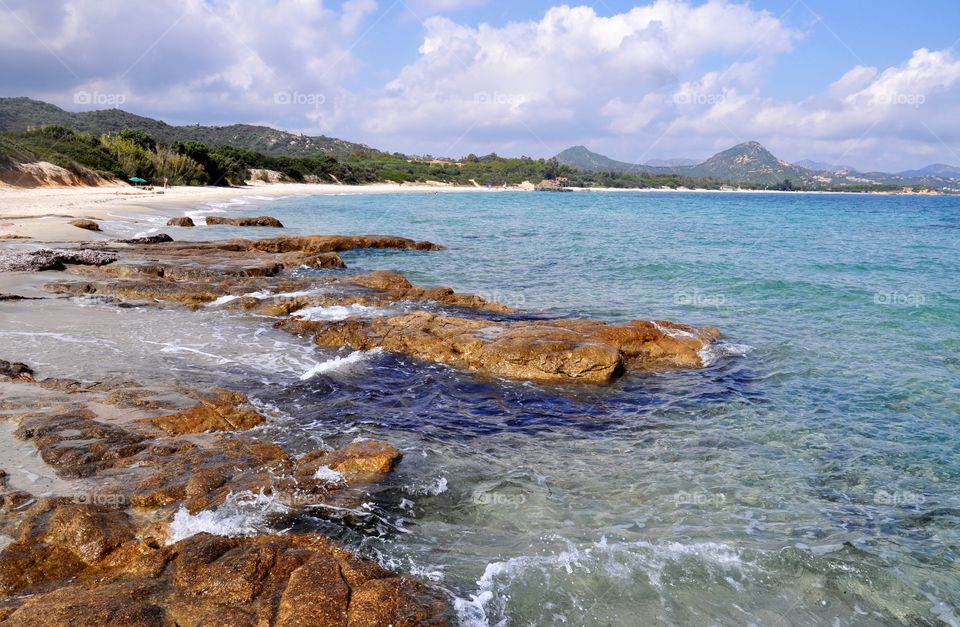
[(671, 163), (938, 169), (822, 166), (749, 163), (19, 114), (584, 159)]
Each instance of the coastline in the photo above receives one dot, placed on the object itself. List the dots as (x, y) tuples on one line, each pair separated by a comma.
[(44, 214)]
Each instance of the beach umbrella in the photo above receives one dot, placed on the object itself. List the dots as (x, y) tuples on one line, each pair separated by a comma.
[(136, 180)]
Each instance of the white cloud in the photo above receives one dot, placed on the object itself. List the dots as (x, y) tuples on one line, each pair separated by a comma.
[(212, 60), (572, 72)]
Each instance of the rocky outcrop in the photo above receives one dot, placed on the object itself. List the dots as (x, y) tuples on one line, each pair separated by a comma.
[(89, 225), (258, 221), (448, 329), (47, 259), (180, 221), (16, 370), (550, 351), (223, 410), (85, 565), (107, 556)]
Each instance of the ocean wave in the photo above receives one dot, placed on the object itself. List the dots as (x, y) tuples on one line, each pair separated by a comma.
[(568, 572), (712, 353), (241, 514), (336, 313), (339, 364)]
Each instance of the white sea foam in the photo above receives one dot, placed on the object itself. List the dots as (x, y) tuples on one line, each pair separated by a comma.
[(336, 313), (229, 298), (433, 487), (711, 353), (328, 475), (614, 561), (241, 514), (339, 364)]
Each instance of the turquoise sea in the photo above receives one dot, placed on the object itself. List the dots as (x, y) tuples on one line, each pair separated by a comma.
[(809, 476)]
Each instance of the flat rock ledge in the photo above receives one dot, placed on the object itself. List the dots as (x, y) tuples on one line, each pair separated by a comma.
[(49, 259), (385, 311), (258, 221), (583, 351), (106, 554)]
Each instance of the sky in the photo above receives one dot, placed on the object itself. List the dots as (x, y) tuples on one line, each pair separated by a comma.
[(871, 85)]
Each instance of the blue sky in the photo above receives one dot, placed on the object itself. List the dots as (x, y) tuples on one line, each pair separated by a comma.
[(874, 85)]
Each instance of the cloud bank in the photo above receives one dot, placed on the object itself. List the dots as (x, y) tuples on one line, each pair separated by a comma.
[(669, 78)]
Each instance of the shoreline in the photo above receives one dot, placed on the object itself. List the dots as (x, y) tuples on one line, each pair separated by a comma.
[(44, 214)]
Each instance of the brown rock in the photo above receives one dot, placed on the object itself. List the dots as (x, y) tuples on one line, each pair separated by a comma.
[(258, 221), (312, 260), (89, 225), (221, 411), (381, 280), (180, 221), (398, 602), (316, 596), (555, 350), (359, 461), (286, 580)]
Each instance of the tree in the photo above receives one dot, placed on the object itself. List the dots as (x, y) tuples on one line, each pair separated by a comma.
[(138, 137)]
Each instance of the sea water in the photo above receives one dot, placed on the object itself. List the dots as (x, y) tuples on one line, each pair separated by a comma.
[(809, 475)]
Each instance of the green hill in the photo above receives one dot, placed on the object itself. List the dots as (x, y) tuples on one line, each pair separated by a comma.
[(20, 114)]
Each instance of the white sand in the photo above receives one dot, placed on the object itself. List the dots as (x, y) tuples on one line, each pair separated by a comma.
[(44, 214)]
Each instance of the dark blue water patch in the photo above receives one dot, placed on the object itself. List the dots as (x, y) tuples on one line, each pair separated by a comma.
[(395, 393)]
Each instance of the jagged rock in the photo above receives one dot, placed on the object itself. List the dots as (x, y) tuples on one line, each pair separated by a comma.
[(181, 221), (258, 221), (312, 260), (15, 370), (221, 411), (355, 462), (89, 225), (47, 259), (555, 350), (96, 571)]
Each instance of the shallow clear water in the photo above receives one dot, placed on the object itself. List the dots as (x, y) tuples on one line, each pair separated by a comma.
[(811, 475)]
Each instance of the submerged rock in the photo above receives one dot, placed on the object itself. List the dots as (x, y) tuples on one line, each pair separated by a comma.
[(223, 410), (181, 221), (48, 259), (258, 221)]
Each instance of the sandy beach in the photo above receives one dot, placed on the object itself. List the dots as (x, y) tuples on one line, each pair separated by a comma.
[(44, 214)]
